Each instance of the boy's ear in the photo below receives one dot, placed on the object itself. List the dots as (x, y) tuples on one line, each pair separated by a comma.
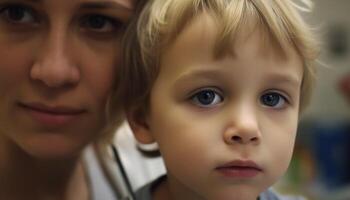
[(138, 122)]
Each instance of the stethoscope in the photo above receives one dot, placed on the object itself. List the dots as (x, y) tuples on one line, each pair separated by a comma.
[(130, 194), (149, 150)]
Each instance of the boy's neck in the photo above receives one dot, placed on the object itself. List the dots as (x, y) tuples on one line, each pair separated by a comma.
[(169, 190)]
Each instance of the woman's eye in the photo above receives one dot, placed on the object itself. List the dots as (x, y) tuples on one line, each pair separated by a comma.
[(100, 23), (17, 14), (273, 99), (206, 98)]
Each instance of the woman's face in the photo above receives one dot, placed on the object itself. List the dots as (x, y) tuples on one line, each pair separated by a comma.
[(57, 66)]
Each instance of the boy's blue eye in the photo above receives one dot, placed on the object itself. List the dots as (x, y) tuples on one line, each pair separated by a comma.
[(17, 14), (206, 98), (273, 99)]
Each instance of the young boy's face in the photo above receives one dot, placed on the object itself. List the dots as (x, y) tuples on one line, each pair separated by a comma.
[(225, 127)]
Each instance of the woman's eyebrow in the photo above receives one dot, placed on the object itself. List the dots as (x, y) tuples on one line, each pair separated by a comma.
[(103, 5), (35, 1)]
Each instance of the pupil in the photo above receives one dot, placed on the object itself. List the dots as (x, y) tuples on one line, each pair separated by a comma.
[(206, 97), (16, 13), (97, 22), (270, 99)]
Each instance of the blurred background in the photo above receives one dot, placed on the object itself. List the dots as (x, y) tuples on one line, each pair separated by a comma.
[(320, 167)]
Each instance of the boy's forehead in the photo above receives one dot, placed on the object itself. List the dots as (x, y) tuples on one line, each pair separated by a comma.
[(198, 40), (202, 32)]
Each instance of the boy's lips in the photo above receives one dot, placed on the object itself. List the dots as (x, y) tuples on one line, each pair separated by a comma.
[(239, 169)]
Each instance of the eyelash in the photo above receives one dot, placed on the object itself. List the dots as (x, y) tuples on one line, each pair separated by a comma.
[(5, 15), (116, 24), (217, 98), (85, 21), (281, 97)]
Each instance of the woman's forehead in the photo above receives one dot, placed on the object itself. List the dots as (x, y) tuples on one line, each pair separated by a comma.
[(124, 4)]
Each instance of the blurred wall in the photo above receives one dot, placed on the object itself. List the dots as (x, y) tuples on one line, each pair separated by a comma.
[(332, 18)]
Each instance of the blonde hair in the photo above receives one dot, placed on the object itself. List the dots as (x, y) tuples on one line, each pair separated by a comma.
[(113, 111), (162, 20)]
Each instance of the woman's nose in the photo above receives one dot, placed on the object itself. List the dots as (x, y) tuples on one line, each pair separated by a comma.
[(53, 66), (242, 128)]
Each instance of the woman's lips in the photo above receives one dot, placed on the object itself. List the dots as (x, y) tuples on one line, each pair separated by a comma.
[(239, 169), (52, 116)]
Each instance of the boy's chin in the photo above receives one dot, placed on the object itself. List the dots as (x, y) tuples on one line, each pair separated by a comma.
[(236, 194)]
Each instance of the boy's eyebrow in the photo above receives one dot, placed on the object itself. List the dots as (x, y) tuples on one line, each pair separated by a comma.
[(278, 78), (286, 78), (200, 73)]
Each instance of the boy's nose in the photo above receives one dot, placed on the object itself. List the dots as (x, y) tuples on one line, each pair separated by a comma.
[(241, 136), (242, 128), (53, 66)]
